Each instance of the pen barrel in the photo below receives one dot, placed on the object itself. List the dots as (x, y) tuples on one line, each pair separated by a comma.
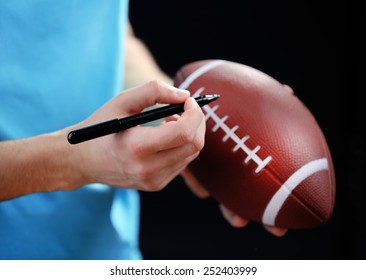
[(150, 115), (116, 125), (93, 131)]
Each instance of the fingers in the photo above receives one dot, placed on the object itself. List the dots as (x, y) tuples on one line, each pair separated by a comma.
[(136, 99), (233, 219), (158, 154), (190, 180), (189, 129), (162, 178), (238, 222), (193, 184), (156, 164), (289, 89), (276, 231)]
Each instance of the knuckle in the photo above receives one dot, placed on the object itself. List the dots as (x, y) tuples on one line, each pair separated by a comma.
[(186, 135), (203, 118), (120, 96), (155, 85), (143, 173), (198, 144), (153, 185), (195, 155), (192, 157), (137, 150)]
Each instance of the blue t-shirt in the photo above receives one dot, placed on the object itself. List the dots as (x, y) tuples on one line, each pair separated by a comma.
[(59, 62)]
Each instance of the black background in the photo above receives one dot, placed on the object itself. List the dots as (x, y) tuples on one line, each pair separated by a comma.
[(313, 47)]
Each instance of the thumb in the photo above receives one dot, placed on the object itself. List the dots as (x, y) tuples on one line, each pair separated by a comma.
[(136, 99)]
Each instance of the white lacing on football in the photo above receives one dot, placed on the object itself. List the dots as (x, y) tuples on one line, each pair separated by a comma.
[(220, 122), (230, 134)]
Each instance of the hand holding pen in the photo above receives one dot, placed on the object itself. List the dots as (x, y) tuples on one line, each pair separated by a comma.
[(117, 125), (144, 157)]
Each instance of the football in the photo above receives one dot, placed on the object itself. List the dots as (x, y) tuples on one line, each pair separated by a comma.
[(265, 157)]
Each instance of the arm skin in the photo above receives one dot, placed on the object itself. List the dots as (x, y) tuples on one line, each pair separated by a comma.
[(37, 164)]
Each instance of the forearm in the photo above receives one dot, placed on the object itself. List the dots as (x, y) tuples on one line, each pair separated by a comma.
[(38, 164)]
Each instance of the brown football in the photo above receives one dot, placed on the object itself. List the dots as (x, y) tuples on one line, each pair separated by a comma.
[(265, 156)]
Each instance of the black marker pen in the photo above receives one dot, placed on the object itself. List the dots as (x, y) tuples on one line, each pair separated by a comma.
[(116, 125)]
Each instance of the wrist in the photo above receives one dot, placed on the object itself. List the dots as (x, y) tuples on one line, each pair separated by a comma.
[(67, 169), (43, 163)]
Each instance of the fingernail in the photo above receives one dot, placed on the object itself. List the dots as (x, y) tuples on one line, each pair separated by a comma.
[(183, 92), (239, 222)]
